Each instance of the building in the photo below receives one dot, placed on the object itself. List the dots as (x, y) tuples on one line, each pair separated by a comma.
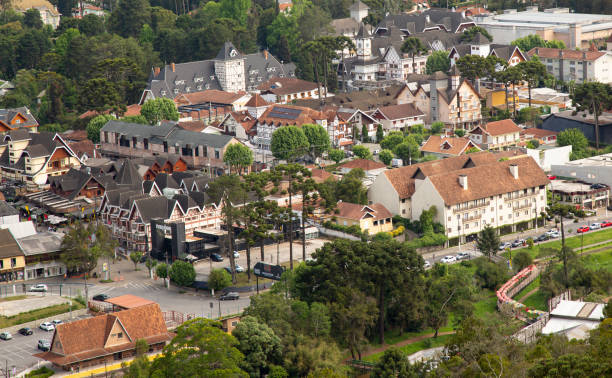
[(582, 195), (12, 259), (199, 150), (447, 99), (17, 118), (576, 30), (230, 71), (373, 218), (574, 319), (8, 214), (469, 192), (442, 146), (592, 170), (582, 121), (370, 167), (34, 157), (429, 20), (481, 46), (578, 66), (109, 338), (42, 255), (544, 97), (5, 87), (78, 183), (548, 155), (540, 135), (48, 12), (284, 90), (496, 135), (398, 117), (212, 101)]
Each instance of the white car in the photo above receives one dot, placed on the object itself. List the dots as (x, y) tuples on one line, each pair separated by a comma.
[(39, 287), (47, 326), (239, 269), (56, 322), (462, 256), (448, 259), (595, 226), (426, 264), (236, 255)]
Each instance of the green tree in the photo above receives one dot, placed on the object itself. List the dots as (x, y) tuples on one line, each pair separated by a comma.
[(350, 188), (140, 366), (236, 9), (239, 157), (445, 294), (595, 98), (533, 71), (135, 119), (408, 150), (574, 138), (488, 242), (469, 34), (150, 264), (529, 42), (182, 273), (135, 257), (521, 260), (472, 67), (437, 61), (365, 137), (379, 134), (147, 35), (289, 143), (129, 16), (362, 152), (413, 46), (459, 132), (78, 253), (393, 363), (219, 279), (162, 271), (95, 125), (100, 95), (200, 349), (386, 156), (318, 139), (336, 155), (159, 109), (32, 19), (260, 345), (392, 140), (512, 76)]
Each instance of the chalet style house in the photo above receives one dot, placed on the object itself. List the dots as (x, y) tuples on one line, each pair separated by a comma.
[(18, 118), (481, 46), (442, 146), (496, 135), (34, 157)]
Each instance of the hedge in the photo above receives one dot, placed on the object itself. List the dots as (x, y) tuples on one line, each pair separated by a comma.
[(354, 230)]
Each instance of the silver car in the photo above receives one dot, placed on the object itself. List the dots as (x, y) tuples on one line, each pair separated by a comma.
[(448, 259)]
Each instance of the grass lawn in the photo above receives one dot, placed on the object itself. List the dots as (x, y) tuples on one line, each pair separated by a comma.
[(535, 284), (537, 300), (41, 313), (414, 347), (599, 260), (572, 242), (15, 298), (486, 305)]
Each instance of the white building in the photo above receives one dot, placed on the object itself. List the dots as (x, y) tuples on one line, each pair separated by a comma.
[(594, 170), (48, 12), (574, 319), (496, 135), (546, 156), (578, 66)]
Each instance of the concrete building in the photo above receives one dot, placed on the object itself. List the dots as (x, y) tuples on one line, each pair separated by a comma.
[(592, 170), (582, 121), (548, 155), (578, 66), (581, 195), (574, 29), (574, 319)]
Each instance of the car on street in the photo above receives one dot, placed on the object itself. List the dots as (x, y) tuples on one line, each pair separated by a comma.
[(39, 288), (56, 322), (216, 257), (448, 259), (46, 326), (44, 345), (26, 331), (236, 254), (606, 223), (582, 229), (6, 336), (100, 297), (595, 226), (231, 296), (239, 269), (555, 235), (518, 243), (426, 264), (504, 245), (462, 256), (542, 238), (552, 232)]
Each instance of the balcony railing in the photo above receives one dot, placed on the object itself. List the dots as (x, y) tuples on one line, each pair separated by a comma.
[(470, 207), (519, 196)]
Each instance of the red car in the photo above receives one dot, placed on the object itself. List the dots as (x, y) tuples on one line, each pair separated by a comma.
[(606, 223), (552, 177), (583, 229)]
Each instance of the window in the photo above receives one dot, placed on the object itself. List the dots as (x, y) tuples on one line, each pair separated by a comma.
[(217, 154), (13, 261), (119, 335)]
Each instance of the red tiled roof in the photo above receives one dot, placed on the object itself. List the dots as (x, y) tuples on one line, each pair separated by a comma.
[(320, 175), (210, 95), (83, 147), (400, 111), (365, 164), (196, 126), (256, 101), (287, 85), (505, 126), (447, 145), (129, 301), (538, 133), (544, 52), (356, 211), (288, 115), (132, 110)]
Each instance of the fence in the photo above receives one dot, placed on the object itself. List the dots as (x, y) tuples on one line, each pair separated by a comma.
[(510, 307), (528, 334), (62, 289), (337, 234), (554, 301)]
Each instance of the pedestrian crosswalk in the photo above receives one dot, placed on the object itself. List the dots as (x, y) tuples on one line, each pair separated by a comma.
[(153, 286), (126, 286)]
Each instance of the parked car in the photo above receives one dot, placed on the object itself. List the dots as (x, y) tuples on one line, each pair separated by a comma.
[(26, 331), (595, 226), (426, 264), (6, 336), (46, 326), (239, 269), (56, 322), (44, 345), (462, 256), (555, 235), (231, 296), (448, 259), (518, 243), (216, 257), (606, 223), (583, 229), (236, 255), (552, 231), (100, 297), (39, 287), (542, 238), (504, 245)]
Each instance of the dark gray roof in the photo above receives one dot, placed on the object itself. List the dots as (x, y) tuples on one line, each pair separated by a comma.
[(185, 201), (417, 22), (154, 207), (6, 115), (128, 174), (171, 133), (503, 51), (164, 180), (71, 182), (41, 243), (228, 52), (7, 210), (480, 39), (8, 245), (39, 145)]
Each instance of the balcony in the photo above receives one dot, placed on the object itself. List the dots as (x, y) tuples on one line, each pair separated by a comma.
[(59, 168), (471, 207), (519, 196)]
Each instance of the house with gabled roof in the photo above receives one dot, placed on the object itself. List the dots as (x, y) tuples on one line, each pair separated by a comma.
[(283, 90), (373, 218), (106, 338), (398, 117), (496, 135), (428, 20), (442, 146), (579, 66), (17, 118), (482, 46)]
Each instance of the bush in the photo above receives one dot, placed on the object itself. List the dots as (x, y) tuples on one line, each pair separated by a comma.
[(521, 260), (398, 231), (219, 279), (490, 275), (354, 230), (182, 273), (43, 372)]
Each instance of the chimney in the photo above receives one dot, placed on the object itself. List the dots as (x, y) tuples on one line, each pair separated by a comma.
[(514, 171), (266, 54), (173, 67), (463, 181), (156, 71)]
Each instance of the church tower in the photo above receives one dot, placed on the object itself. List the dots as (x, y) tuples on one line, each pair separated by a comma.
[(363, 42)]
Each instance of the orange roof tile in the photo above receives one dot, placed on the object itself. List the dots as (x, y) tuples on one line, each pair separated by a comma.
[(356, 211), (505, 126), (447, 145), (287, 85), (257, 101), (129, 301), (210, 95), (290, 115), (365, 164)]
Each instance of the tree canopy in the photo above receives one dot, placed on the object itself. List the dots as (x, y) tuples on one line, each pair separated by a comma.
[(159, 109), (289, 142)]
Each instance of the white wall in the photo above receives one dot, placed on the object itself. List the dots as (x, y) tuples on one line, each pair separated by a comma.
[(550, 156)]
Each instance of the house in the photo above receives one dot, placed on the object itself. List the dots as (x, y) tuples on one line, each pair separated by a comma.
[(579, 66), (42, 255), (8, 214), (547, 155), (78, 183), (128, 140), (87, 9), (442, 146), (84, 149), (580, 195), (110, 338), (373, 218), (277, 116), (230, 71), (482, 46), (12, 259), (540, 135), (48, 12), (17, 118), (370, 167), (283, 90), (398, 117), (429, 20), (582, 121), (210, 100), (496, 135), (447, 99), (34, 157), (229, 324), (321, 175)]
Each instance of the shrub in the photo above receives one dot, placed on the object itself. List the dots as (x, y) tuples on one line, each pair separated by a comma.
[(43, 372), (354, 230), (182, 273)]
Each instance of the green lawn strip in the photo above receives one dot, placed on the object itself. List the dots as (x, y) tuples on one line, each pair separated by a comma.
[(600, 247), (572, 242), (599, 260), (15, 298), (40, 313), (414, 347), (486, 305), (537, 300), (521, 294)]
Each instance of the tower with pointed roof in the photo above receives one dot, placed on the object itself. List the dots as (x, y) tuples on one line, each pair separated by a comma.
[(363, 42), (359, 11), (256, 106), (229, 68)]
